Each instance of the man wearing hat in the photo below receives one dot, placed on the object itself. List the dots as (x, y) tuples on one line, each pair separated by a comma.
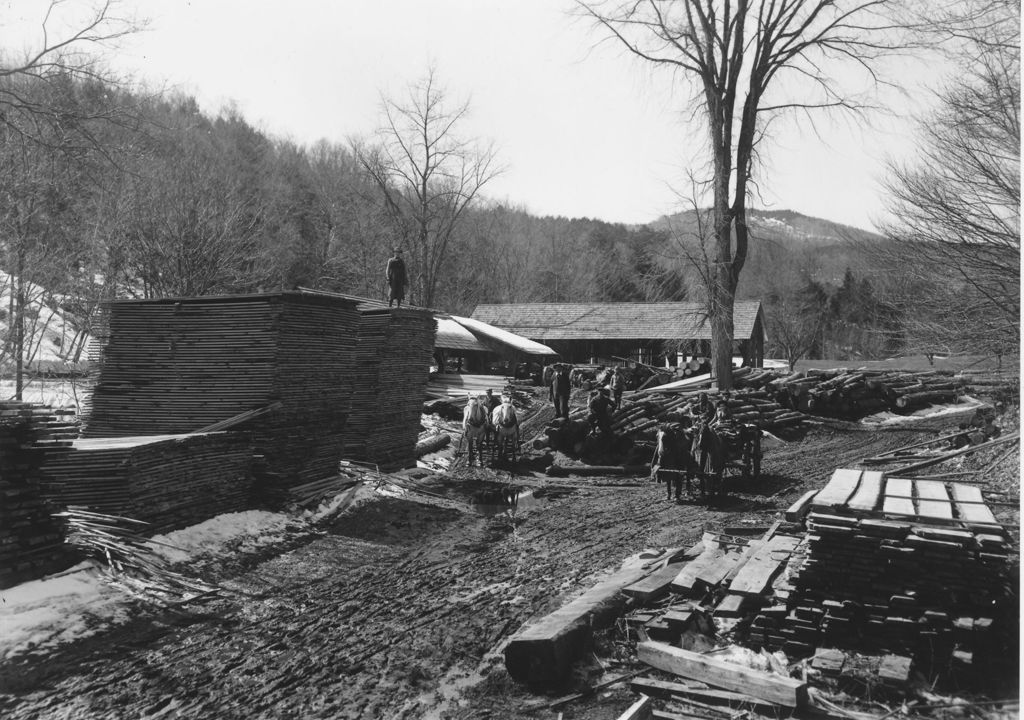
[(396, 277)]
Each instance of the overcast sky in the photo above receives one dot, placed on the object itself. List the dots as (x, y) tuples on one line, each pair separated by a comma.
[(583, 129)]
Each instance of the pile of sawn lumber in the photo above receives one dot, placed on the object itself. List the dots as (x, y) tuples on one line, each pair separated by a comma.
[(913, 565), (392, 362), (175, 366), (167, 481), (31, 541)]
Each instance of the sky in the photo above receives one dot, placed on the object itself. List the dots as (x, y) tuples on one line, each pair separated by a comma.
[(581, 129)]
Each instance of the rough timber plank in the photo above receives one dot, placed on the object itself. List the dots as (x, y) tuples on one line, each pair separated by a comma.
[(655, 584), (766, 686), (899, 487), (797, 511), (542, 651), (898, 506), (933, 500), (838, 490), (756, 575), (666, 688), (865, 498), (969, 504), (687, 577), (640, 710)]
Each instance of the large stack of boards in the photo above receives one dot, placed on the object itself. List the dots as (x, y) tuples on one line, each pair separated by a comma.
[(910, 565), (167, 481), (31, 541), (392, 366), (174, 366)]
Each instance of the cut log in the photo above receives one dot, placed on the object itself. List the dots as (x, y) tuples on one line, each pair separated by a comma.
[(432, 444), (718, 673)]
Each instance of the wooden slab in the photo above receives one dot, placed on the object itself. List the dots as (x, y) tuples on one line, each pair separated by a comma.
[(829, 660), (868, 492), (666, 688), (687, 577), (756, 575), (797, 511), (838, 490), (899, 487), (655, 584), (970, 505), (898, 506), (718, 673), (731, 606), (640, 710)]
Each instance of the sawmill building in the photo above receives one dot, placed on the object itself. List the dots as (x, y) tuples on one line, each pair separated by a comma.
[(657, 333)]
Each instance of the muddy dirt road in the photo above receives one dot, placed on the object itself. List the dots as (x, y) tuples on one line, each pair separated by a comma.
[(399, 609)]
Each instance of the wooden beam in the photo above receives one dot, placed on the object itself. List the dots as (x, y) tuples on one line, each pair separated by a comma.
[(542, 652), (956, 453), (774, 688)]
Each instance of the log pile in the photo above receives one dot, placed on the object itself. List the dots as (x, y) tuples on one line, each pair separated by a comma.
[(392, 363), (31, 542), (167, 481), (856, 393), (174, 366)]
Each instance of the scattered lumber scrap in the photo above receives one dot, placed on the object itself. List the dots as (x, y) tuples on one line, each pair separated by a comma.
[(168, 481), (785, 691), (127, 558), (542, 652), (31, 541), (171, 366)]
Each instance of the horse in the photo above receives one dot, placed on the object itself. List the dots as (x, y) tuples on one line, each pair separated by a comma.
[(710, 453), (506, 425), (673, 458), (474, 423)]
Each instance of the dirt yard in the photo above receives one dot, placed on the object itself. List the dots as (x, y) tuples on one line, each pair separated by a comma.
[(400, 608)]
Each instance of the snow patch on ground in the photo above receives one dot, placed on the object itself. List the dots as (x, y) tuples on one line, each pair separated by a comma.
[(239, 531), (42, 614), (967, 407)]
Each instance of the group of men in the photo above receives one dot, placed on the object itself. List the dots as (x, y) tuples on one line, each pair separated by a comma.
[(488, 420), (602, 403)]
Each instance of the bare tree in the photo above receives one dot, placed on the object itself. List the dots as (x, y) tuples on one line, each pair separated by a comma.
[(956, 239), (428, 176), (749, 61), (70, 37)]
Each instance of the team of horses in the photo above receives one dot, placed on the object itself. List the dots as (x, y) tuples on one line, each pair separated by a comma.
[(702, 450)]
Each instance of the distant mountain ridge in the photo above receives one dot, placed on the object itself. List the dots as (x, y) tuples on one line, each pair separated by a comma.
[(781, 225)]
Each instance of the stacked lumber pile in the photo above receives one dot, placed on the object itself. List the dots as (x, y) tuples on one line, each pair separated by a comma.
[(913, 566), (392, 364), (460, 386), (31, 542), (177, 365), (167, 481)]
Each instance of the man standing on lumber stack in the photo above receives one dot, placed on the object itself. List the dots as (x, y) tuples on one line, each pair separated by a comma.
[(397, 278), (559, 391)]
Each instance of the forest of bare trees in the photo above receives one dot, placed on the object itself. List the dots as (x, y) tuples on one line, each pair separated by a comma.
[(112, 191)]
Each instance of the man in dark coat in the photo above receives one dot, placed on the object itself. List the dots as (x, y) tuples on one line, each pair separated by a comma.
[(397, 278), (559, 391), (600, 407)]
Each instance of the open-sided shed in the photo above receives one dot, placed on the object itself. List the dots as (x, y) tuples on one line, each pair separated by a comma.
[(647, 332)]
